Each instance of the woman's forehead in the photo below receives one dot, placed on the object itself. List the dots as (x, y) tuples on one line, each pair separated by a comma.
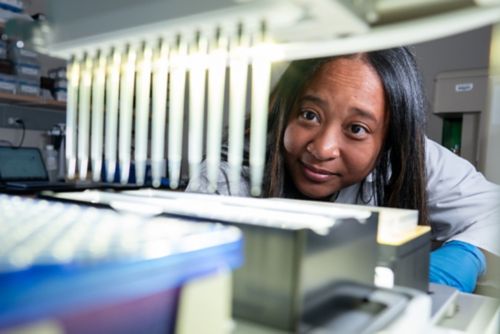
[(354, 73), (349, 66)]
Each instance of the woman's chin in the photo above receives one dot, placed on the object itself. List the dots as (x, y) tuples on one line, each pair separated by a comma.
[(317, 193)]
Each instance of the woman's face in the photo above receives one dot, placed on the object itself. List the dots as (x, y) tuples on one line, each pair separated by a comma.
[(337, 129)]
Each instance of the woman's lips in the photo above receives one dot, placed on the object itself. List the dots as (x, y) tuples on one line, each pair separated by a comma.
[(315, 174)]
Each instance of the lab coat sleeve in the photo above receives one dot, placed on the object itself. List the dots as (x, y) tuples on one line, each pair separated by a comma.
[(462, 204)]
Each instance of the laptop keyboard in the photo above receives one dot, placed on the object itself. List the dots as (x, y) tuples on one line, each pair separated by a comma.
[(41, 232)]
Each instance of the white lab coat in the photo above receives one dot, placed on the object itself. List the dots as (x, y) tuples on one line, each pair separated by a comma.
[(462, 204)]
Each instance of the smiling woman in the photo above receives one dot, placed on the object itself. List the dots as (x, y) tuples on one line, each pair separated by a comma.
[(350, 129), (359, 117), (332, 141)]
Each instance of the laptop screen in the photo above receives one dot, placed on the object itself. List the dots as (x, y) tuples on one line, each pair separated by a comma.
[(22, 164)]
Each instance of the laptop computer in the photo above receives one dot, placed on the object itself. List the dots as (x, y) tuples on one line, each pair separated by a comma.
[(24, 168)]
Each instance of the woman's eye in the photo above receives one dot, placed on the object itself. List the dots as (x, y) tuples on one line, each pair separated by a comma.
[(358, 130), (309, 115)]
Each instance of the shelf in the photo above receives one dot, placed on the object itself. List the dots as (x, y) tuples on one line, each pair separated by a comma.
[(32, 101)]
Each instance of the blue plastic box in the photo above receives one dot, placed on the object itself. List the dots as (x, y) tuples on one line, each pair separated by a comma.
[(116, 292)]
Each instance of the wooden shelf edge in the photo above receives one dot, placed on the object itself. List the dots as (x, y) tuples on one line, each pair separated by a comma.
[(32, 101)]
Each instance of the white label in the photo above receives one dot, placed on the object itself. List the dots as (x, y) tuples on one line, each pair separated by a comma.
[(61, 84), (464, 87), (27, 53), (29, 71), (61, 96), (7, 85), (29, 89)]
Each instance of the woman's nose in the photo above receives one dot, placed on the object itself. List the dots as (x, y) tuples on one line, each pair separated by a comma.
[(324, 146)]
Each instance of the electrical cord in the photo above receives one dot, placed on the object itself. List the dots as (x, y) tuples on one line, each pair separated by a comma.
[(21, 122)]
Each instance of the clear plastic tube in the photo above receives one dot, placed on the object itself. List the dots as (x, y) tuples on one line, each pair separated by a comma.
[(197, 76), (238, 76), (126, 110), (261, 78), (71, 117), (97, 135), (160, 82), (143, 89), (176, 112), (84, 118), (111, 132), (216, 86)]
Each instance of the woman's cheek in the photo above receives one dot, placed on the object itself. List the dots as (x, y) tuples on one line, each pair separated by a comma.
[(361, 161), (290, 139)]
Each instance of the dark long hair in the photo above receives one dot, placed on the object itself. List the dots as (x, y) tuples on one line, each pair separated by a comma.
[(399, 174)]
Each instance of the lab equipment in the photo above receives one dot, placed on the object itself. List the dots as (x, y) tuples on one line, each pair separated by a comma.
[(176, 110), (143, 90), (460, 99), (51, 162), (84, 117), (111, 138), (191, 40), (197, 77), (159, 111), (284, 248), (97, 144), (404, 261), (268, 31), (298, 255), (216, 77), (71, 119), (127, 84), (353, 307), (466, 102), (63, 264), (238, 76)]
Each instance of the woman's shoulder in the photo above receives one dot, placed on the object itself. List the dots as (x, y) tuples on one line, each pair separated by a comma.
[(440, 161), (446, 171)]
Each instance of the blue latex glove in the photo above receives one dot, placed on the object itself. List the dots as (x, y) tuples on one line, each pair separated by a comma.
[(457, 264)]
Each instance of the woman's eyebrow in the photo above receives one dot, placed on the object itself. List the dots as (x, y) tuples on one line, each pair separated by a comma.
[(315, 99), (364, 114)]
